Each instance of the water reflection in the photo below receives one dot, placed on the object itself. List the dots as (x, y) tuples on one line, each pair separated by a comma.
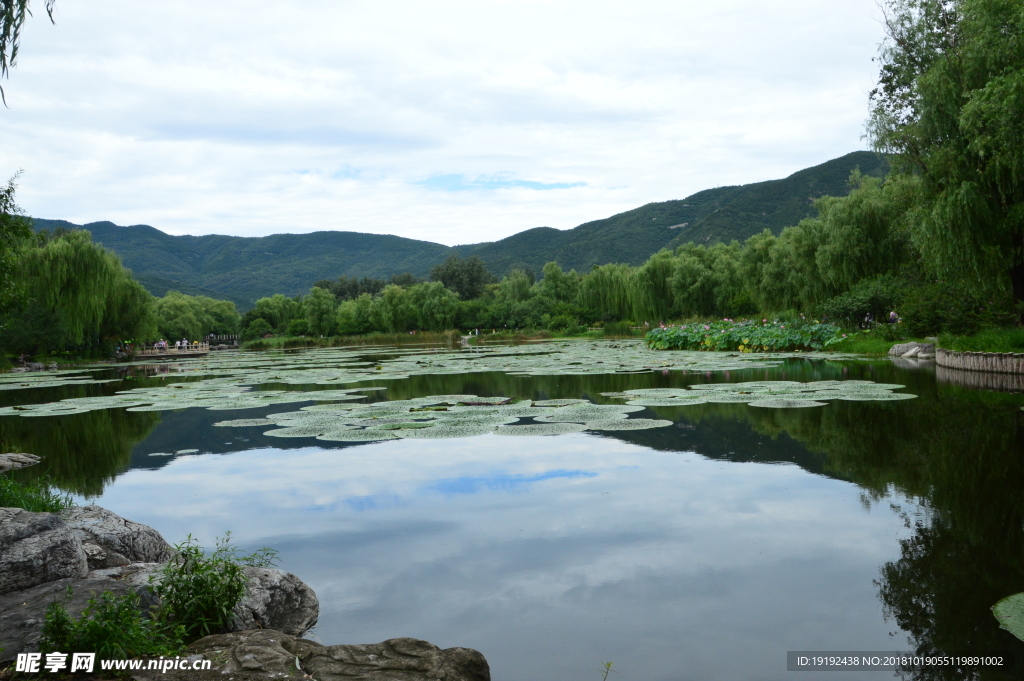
[(677, 552)]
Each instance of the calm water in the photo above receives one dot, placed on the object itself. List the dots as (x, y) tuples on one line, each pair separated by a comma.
[(704, 550)]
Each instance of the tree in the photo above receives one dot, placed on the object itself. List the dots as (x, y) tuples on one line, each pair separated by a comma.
[(468, 277), (15, 229), (949, 106), (12, 16), (77, 294), (318, 306), (194, 317)]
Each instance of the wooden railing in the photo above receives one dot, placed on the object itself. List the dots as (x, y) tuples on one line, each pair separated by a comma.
[(190, 349)]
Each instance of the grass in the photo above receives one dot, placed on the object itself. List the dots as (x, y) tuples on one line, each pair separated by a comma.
[(36, 496), (864, 343), (986, 340)]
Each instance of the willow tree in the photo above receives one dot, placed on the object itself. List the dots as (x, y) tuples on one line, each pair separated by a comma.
[(650, 290), (82, 293), (319, 308), (15, 229), (606, 289), (949, 107), (12, 17)]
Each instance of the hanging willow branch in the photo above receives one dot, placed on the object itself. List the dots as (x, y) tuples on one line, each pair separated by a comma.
[(12, 16)]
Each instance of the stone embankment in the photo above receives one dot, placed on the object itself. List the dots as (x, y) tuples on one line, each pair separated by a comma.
[(94, 550), (993, 362)]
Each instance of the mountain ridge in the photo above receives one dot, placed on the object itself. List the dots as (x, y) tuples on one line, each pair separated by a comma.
[(243, 269)]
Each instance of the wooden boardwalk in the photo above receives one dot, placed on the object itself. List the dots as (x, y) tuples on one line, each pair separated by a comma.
[(193, 350)]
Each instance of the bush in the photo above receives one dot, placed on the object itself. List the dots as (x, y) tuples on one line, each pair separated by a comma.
[(199, 592), (257, 328), (746, 336), (944, 307), (563, 324), (113, 627), (38, 496), (298, 327), (878, 296), (618, 329)]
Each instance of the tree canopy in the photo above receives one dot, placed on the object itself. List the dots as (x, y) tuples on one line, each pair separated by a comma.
[(949, 107)]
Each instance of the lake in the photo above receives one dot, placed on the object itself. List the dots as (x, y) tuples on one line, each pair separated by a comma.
[(703, 544)]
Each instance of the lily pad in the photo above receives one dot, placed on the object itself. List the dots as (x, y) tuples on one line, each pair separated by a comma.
[(627, 424), (541, 429), (1010, 613), (782, 403)]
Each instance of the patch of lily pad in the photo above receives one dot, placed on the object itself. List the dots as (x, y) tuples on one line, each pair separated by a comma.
[(773, 394), (448, 416)]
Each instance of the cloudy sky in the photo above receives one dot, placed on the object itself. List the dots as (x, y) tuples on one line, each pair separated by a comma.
[(449, 121)]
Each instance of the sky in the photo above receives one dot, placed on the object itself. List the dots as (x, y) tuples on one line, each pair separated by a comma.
[(449, 121)]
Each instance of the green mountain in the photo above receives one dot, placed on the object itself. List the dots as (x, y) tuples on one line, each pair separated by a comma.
[(243, 269)]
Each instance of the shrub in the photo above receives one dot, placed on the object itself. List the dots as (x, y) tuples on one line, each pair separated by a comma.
[(257, 328), (878, 295), (298, 327), (618, 329), (563, 324), (746, 336), (37, 496), (199, 592), (112, 627)]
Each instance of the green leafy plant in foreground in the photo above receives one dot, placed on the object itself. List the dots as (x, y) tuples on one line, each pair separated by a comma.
[(606, 669), (1010, 613), (37, 496), (745, 336), (111, 626), (199, 591)]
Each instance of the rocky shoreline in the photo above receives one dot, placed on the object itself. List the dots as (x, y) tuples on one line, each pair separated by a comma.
[(94, 550)]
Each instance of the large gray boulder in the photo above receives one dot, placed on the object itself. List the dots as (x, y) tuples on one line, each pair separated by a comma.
[(275, 599), (913, 349), (22, 612), (110, 541), (265, 654), (11, 461), (36, 548)]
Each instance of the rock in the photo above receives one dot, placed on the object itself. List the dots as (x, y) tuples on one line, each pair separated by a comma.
[(275, 599), (36, 548), (901, 349), (22, 612), (911, 352), (109, 540), (136, 574), (268, 654), (12, 461)]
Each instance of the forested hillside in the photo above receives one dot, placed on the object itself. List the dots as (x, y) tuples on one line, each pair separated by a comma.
[(244, 269)]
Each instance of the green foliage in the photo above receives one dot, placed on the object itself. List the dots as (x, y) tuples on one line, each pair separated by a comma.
[(113, 627), (564, 324), (76, 296), (194, 317), (14, 231), (319, 308), (298, 327), (952, 308), (199, 592), (257, 328), (466, 277), (745, 336), (877, 295), (36, 496), (949, 106), (985, 340)]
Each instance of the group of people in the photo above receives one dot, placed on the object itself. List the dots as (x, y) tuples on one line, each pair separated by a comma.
[(869, 319), (180, 345)]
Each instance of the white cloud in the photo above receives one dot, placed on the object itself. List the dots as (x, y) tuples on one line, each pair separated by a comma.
[(254, 118)]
